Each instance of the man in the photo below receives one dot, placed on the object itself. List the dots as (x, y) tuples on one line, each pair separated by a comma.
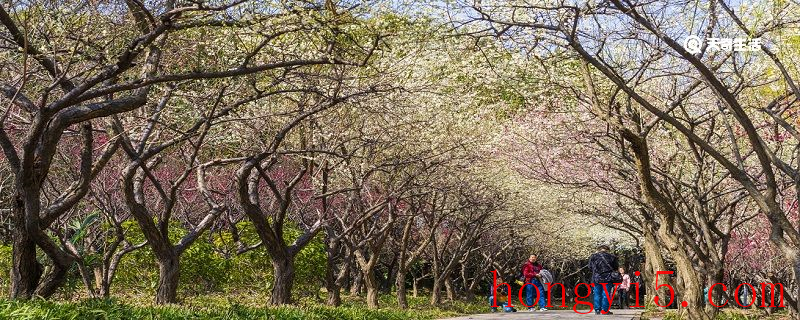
[(533, 281), (624, 288), (603, 264)]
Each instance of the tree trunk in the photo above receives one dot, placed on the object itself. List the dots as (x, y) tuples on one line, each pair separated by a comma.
[(655, 262), (668, 230), (168, 279), (448, 285), (692, 290), (469, 291), (103, 283), (86, 276), (391, 275), (373, 288), (469, 295), (52, 281), (355, 287), (401, 289), (284, 279), (415, 286), (26, 271), (796, 272), (334, 298), (716, 276), (436, 292), (690, 286), (340, 282), (109, 269)]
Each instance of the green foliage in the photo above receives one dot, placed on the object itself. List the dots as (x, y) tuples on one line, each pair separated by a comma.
[(249, 272), (215, 309), (309, 263), (80, 227), (204, 267), (650, 306), (137, 270), (252, 271), (672, 316), (5, 264)]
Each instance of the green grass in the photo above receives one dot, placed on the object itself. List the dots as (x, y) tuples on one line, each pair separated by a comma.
[(219, 307)]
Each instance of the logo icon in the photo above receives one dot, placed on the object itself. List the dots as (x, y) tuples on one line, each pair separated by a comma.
[(692, 44)]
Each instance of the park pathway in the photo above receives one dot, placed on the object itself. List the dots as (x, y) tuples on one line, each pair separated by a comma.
[(626, 314)]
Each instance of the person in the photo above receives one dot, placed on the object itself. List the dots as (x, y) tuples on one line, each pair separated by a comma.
[(638, 279), (533, 281), (744, 297), (498, 299), (624, 288), (603, 264)]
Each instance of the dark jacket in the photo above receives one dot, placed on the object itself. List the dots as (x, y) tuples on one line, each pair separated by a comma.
[(602, 265), (531, 270)]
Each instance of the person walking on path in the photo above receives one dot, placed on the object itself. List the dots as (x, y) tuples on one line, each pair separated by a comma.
[(604, 266), (533, 281), (623, 289)]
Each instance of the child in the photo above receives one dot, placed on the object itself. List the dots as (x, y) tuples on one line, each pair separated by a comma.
[(502, 295)]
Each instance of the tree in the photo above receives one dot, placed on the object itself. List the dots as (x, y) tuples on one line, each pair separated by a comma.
[(690, 82), (97, 84)]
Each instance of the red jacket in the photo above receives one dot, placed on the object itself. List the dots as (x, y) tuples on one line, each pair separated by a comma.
[(531, 270)]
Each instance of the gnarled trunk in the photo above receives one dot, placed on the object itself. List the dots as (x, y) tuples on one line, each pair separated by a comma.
[(53, 280), (283, 268), (436, 292), (334, 298), (655, 262), (331, 285), (103, 286), (373, 287), (669, 230), (692, 289), (401, 289), (715, 276), (448, 285), (26, 270), (355, 286), (168, 279)]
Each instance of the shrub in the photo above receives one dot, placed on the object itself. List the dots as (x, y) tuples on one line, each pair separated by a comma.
[(205, 269), (202, 268)]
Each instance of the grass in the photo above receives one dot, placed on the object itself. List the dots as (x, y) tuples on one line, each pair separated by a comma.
[(221, 307)]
